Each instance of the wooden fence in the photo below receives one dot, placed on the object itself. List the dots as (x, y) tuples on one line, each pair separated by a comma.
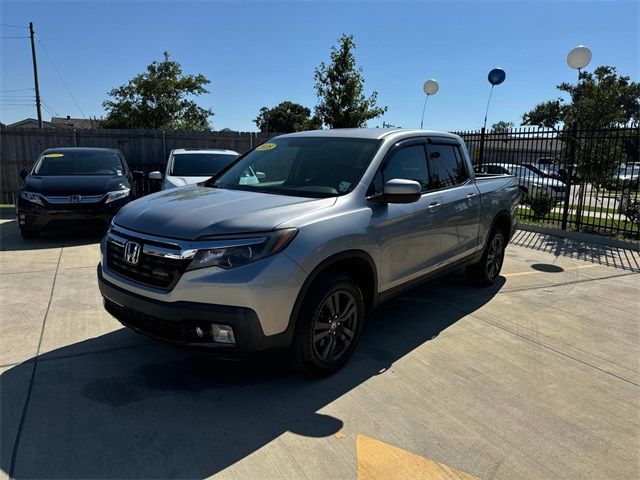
[(145, 150)]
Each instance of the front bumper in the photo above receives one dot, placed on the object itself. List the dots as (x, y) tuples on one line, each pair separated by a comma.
[(176, 322), (59, 217)]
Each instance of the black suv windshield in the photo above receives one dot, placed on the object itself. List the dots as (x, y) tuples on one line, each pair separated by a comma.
[(79, 163), (302, 166), (200, 164)]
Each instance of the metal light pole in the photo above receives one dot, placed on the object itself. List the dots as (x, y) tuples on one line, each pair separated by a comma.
[(430, 87)]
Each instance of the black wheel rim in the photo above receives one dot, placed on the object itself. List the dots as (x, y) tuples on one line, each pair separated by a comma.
[(495, 256), (334, 326)]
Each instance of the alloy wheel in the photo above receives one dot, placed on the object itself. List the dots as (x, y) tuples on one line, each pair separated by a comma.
[(335, 325)]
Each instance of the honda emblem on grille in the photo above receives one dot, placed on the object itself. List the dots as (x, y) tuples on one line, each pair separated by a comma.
[(132, 252), (75, 198)]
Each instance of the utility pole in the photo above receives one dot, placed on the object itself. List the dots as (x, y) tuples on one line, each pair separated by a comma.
[(35, 75)]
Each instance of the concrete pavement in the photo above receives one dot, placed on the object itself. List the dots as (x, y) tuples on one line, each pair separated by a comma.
[(536, 377)]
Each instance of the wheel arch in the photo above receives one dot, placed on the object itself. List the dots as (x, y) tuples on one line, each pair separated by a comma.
[(356, 263)]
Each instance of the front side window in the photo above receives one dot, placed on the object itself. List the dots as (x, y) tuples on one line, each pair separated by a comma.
[(200, 164), (409, 163), (79, 163), (301, 166), (446, 166)]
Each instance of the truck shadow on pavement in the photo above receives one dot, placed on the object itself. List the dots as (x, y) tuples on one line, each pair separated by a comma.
[(147, 410)]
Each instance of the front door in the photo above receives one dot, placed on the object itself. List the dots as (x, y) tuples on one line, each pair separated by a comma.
[(407, 234)]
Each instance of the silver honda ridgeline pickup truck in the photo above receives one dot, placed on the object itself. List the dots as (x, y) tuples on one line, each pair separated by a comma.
[(297, 240)]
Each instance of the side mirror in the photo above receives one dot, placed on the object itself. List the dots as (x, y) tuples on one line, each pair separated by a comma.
[(23, 174), (155, 175), (398, 190), (261, 175)]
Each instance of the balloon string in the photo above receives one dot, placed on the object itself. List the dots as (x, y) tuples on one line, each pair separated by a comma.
[(487, 110), (423, 109)]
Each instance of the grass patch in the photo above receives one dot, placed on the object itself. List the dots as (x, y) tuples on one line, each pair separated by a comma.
[(601, 226)]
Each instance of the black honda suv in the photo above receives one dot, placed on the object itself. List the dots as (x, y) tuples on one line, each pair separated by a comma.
[(73, 187)]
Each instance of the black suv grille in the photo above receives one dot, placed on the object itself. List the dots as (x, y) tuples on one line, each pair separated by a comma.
[(150, 270)]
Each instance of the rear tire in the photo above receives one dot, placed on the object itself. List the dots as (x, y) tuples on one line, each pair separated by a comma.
[(328, 326), (28, 233), (486, 271)]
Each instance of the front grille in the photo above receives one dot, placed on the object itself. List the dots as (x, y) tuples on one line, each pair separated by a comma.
[(172, 331), (150, 270)]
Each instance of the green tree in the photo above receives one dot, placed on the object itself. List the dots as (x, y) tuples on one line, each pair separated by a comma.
[(340, 86), (286, 117), (502, 126), (159, 99), (601, 99)]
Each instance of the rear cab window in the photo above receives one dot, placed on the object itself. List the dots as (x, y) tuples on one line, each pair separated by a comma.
[(446, 166)]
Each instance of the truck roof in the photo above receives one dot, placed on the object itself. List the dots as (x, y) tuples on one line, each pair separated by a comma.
[(372, 133)]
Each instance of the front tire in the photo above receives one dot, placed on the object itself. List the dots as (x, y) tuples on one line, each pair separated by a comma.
[(487, 270), (328, 326)]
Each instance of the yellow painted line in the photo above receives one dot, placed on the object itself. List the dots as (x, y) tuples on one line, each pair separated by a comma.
[(533, 272), (380, 461)]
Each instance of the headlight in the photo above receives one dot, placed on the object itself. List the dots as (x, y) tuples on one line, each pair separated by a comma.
[(117, 195), (32, 197), (247, 252)]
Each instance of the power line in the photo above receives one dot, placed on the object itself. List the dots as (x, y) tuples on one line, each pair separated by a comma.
[(50, 109), (14, 37), (17, 90), (12, 26), (60, 75)]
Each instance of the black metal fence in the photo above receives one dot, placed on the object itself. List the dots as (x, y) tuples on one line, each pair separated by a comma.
[(584, 180)]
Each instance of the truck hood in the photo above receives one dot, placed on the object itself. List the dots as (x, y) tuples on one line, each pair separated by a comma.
[(189, 213)]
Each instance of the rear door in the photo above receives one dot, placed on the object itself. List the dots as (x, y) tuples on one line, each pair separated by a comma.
[(460, 198)]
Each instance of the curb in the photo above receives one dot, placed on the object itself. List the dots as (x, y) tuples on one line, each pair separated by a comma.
[(582, 237)]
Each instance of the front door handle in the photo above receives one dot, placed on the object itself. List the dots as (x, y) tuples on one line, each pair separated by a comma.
[(471, 195), (433, 205)]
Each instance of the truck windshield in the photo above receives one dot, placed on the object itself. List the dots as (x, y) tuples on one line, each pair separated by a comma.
[(307, 167), (79, 163), (200, 164)]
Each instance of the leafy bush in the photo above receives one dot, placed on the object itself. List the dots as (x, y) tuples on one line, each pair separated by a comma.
[(541, 204)]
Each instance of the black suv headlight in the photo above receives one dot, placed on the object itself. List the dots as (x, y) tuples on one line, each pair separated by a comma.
[(240, 251), (32, 197)]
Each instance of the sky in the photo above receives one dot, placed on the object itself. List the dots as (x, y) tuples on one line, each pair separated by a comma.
[(261, 53)]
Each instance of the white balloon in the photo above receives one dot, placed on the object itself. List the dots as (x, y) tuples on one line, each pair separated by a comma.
[(579, 57), (430, 87)]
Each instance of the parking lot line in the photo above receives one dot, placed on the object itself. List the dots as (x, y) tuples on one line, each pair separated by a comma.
[(378, 460)]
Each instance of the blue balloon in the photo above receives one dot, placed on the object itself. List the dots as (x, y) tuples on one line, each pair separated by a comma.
[(496, 76)]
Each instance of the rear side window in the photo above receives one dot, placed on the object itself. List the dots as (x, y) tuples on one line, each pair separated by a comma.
[(446, 166), (496, 169)]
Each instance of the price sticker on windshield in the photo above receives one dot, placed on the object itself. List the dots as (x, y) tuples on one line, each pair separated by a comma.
[(266, 146), (54, 155)]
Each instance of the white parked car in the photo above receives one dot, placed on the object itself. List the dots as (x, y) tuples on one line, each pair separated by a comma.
[(530, 181), (187, 166)]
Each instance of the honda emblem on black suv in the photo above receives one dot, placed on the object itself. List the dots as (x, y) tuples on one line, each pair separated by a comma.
[(132, 252), (75, 198)]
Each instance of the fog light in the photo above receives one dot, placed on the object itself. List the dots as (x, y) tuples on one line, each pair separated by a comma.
[(199, 332), (222, 333)]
